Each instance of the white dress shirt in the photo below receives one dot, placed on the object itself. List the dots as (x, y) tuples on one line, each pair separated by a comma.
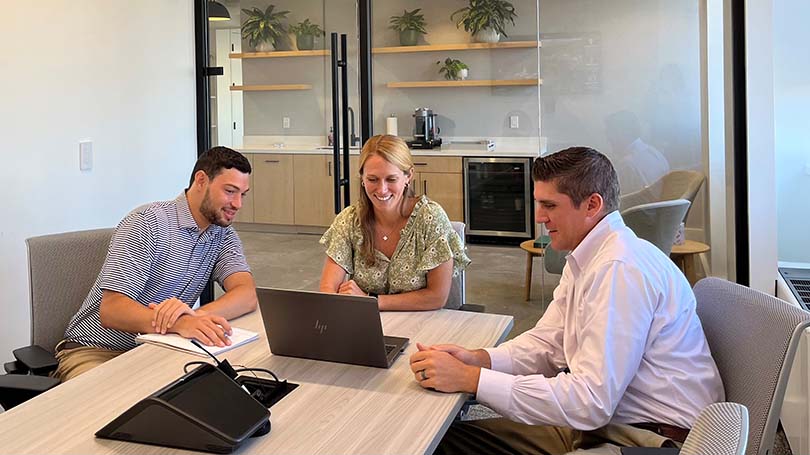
[(623, 321)]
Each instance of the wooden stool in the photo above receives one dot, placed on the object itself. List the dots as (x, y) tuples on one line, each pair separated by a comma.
[(531, 252), (685, 257)]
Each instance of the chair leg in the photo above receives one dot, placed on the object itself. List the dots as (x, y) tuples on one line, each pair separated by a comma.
[(529, 259)]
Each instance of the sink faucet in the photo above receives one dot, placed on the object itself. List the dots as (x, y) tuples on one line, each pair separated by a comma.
[(353, 138)]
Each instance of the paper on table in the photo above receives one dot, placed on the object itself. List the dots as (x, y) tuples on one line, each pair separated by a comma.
[(175, 341)]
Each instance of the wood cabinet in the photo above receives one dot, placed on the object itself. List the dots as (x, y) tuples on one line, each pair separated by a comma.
[(296, 189), (314, 188), (273, 188), (440, 179), (245, 214)]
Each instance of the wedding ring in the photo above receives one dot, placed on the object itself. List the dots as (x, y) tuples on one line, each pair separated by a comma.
[(422, 373)]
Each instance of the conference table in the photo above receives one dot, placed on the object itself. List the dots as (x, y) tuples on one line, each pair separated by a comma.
[(336, 409)]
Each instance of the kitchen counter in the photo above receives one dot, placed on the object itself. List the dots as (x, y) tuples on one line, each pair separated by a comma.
[(305, 150)]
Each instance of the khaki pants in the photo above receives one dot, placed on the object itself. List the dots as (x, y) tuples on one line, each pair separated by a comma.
[(503, 436), (73, 362)]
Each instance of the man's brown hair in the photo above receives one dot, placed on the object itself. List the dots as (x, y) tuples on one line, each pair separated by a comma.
[(579, 172)]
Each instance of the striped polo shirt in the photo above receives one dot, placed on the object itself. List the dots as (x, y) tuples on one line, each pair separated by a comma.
[(157, 252)]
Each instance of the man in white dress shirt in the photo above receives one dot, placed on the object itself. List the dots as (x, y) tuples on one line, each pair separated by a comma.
[(618, 359)]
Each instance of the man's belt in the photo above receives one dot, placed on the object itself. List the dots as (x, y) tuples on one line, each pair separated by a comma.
[(668, 431)]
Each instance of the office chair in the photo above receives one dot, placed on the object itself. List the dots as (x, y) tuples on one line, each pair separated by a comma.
[(61, 268), (720, 429), (657, 222), (457, 299), (753, 339), (673, 185)]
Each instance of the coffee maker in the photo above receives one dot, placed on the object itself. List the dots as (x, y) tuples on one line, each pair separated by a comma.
[(425, 131)]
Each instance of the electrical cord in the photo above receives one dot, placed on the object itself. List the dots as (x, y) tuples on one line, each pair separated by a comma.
[(263, 370)]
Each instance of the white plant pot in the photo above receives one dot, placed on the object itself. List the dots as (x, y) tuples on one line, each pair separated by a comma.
[(463, 73), (487, 36), (265, 46)]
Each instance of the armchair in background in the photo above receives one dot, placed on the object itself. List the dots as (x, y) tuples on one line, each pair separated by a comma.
[(62, 268), (673, 185), (657, 222)]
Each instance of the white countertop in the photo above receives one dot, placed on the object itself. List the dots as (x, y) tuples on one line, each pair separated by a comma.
[(314, 145), (303, 150)]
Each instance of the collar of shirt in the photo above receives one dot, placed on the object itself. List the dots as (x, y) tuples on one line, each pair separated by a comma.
[(186, 221), (584, 253)]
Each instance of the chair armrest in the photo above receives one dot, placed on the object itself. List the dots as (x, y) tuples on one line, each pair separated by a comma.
[(36, 359), (17, 388), (474, 307), (15, 367)]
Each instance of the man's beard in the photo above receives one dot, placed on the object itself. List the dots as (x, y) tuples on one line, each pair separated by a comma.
[(210, 213)]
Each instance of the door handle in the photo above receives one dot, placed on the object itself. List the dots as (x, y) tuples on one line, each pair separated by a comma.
[(424, 186), (272, 161), (329, 168)]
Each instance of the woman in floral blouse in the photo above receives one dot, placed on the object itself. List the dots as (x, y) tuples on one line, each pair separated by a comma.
[(390, 243)]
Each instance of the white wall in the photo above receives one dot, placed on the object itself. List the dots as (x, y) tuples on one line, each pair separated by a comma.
[(792, 144), (116, 72)]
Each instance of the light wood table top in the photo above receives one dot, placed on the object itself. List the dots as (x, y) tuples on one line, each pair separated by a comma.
[(690, 247), (337, 408), (528, 245)]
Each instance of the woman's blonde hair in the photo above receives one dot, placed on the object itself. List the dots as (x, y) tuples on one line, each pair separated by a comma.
[(395, 151)]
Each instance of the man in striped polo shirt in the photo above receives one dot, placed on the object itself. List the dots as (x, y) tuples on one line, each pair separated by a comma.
[(160, 258)]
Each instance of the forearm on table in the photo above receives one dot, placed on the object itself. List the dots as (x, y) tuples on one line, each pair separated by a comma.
[(234, 303), (419, 300), (119, 312)]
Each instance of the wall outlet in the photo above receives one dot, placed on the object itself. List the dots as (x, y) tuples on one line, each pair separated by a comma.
[(285, 122), (86, 155), (514, 121)]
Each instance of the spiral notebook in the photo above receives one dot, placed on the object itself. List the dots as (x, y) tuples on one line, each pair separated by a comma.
[(178, 343)]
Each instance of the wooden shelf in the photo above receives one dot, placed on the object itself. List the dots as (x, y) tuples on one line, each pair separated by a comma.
[(456, 47), (280, 54), (467, 83), (270, 88)]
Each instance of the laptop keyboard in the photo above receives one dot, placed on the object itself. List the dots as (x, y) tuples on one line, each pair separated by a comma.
[(389, 348)]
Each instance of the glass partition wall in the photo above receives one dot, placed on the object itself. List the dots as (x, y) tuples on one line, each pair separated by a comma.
[(622, 76)]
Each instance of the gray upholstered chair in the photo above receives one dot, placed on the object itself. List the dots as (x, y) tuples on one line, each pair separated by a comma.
[(657, 222), (720, 429), (457, 299), (753, 339), (61, 268), (673, 185)]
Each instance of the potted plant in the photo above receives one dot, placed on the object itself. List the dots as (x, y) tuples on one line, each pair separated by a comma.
[(410, 25), (485, 20), (453, 70), (262, 29), (305, 33)]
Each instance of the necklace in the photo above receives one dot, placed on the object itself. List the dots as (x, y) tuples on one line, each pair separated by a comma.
[(385, 236)]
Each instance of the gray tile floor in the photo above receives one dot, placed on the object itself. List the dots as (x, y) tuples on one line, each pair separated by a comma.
[(495, 278)]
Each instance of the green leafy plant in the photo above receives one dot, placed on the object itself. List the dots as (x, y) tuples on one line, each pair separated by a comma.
[(263, 26), (409, 21), (307, 28), (451, 69), (485, 15)]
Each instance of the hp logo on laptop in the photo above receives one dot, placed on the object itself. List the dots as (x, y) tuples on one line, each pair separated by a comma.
[(320, 327)]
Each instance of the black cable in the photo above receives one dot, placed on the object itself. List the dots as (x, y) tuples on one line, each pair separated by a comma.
[(263, 370), (185, 367)]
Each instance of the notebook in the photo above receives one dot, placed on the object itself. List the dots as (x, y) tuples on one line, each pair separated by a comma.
[(177, 342), (333, 327)]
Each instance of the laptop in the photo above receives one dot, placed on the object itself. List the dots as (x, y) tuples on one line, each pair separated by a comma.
[(333, 327)]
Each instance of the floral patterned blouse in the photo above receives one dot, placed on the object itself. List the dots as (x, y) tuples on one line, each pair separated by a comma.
[(427, 241)]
